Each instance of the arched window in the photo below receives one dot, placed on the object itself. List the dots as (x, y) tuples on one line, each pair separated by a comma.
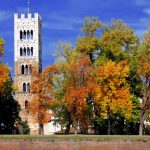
[(31, 34), (24, 35), (26, 104), (22, 69), (28, 87), (21, 35), (26, 69), (24, 52), (21, 52), (28, 34), (24, 87), (30, 69), (28, 51), (31, 51)]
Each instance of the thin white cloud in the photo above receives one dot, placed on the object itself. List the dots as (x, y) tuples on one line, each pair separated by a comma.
[(62, 22), (147, 11), (4, 15)]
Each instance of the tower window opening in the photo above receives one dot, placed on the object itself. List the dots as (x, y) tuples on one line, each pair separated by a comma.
[(26, 69), (26, 104), (28, 87), (30, 69), (20, 34), (28, 34), (22, 69), (24, 35), (31, 51), (21, 52), (31, 34), (28, 51), (24, 87), (24, 54)]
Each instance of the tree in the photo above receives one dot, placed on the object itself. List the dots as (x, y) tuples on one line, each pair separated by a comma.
[(9, 108), (77, 71), (115, 42), (144, 73), (113, 93), (72, 88), (4, 76), (43, 94), (4, 70), (89, 43)]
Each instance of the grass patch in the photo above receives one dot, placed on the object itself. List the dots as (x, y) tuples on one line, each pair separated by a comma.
[(78, 137)]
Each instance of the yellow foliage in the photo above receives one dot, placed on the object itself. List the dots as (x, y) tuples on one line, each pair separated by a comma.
[(112, 90)]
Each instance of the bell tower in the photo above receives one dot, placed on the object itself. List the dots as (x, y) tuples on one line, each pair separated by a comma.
[(27, 54)]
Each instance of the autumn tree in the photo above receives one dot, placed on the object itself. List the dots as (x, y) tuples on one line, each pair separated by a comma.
[(113, 93), (89, 43), (74, 73), (62, 114), (144, 73), (4, 70), (43, 94), (76, 85), (9, 108), (114, 41)]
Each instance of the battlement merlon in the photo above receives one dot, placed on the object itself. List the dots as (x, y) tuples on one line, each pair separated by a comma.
[(27, 16)]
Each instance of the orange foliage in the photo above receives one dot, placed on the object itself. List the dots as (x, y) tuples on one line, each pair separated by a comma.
[(4, 70), (43, 93), (4, 75), (76, 85)]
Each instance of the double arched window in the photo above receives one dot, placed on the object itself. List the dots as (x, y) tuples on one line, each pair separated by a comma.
[(26, 51), (26, 34), (26, 69), (26, 87)]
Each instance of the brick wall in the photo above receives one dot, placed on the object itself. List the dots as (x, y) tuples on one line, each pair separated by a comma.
[(20, 144)]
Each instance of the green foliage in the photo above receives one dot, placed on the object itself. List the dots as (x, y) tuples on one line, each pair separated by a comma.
[(26, 129), (9, 109)]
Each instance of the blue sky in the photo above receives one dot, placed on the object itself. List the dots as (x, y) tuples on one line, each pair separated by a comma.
[(62, 20)]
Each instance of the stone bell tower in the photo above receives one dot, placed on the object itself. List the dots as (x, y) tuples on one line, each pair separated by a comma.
[(27, 54)]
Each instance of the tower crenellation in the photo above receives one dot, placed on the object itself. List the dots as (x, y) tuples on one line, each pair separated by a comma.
[(27, 16)]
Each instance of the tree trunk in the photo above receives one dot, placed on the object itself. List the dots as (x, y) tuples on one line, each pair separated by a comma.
[(67, 128), (41, 130), (68, 124), (141, 122), (76, 128), (91, 57), (108, 122), (145, 104)]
